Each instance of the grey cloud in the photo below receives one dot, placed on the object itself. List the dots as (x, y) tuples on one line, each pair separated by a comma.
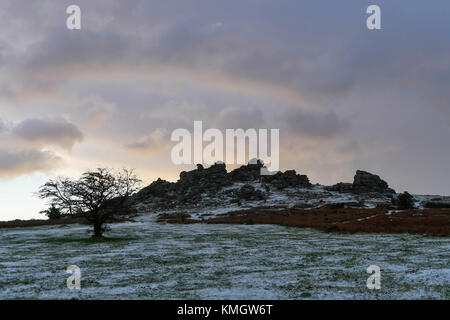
[(193, 42), (14, 163), (321, 125), (59, 49), (156, 140), (2, 126), (51, 131), (297, 51), (349, 147), (234, 117)]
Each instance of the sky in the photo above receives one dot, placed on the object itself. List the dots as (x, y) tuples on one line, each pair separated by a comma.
[(344, 97)]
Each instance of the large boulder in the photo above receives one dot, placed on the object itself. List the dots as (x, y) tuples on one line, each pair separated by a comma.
[(365, 182)]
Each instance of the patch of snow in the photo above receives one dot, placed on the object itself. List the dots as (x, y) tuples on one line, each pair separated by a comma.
[(202, 261)]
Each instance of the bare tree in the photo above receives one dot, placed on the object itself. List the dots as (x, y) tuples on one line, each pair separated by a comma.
[(97, 195), (60, 193)]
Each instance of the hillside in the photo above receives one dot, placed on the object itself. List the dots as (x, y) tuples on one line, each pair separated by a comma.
[(213, 195)]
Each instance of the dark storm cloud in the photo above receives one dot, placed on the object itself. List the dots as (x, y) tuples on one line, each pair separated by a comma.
[(318, 125), (48, 131), (234, 117), (286, 43), (2, 126), (14, 163), (24, 146)]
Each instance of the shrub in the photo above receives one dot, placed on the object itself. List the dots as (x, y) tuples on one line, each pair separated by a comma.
[(52, 213), (404, 201)]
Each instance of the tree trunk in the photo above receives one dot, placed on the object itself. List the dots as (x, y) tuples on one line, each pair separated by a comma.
[(98, 229)]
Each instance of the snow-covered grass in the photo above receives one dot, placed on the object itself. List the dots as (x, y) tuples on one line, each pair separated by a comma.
[(149, 260)]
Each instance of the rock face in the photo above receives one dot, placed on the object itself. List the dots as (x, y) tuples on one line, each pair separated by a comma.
[(365, 182)]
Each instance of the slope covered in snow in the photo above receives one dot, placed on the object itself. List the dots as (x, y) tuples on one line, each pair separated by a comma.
[(203, 193), (150, 260)]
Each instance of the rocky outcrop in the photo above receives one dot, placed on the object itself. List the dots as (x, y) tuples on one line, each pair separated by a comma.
[(209, 184), (289, 178), (214, 186), (188, 189), (208, 180), (158, 188), (279, 180), (248, 192), (341, 187), (249, 172), (365, 182), (192, 184)]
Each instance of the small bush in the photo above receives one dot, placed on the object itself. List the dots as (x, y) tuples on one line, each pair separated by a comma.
[(52, 213), (404, 201)]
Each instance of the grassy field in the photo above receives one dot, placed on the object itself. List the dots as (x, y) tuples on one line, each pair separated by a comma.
[(149, 260)]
